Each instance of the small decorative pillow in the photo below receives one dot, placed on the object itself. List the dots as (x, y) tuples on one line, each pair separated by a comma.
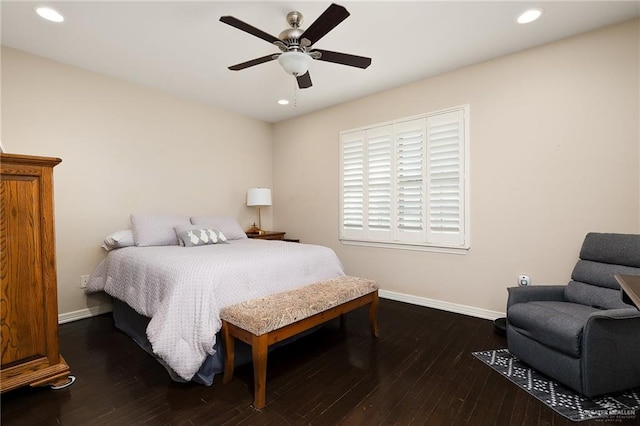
[(118, 239), (226, 224), (191, 236)]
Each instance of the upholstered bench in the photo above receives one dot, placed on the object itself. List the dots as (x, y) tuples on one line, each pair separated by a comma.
[(267, 320)]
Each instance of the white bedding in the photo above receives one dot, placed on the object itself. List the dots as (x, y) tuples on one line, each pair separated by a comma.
[(182, 289)]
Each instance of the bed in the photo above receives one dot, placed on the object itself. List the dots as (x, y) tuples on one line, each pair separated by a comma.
[(167, 296)]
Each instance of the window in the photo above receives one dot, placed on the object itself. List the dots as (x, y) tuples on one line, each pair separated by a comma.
[(404, 183)]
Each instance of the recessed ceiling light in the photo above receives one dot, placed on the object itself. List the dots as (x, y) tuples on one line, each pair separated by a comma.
[(283, 102), (49, 14), (529, 16)]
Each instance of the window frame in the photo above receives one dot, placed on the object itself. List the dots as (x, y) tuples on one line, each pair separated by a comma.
[(390, 239)]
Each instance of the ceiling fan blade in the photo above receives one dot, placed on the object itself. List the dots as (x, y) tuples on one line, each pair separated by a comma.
[(243, 26), (329, 19), (253, 62), (304, 81), (343, 58)]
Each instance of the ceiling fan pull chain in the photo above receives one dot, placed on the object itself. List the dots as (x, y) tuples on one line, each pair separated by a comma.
[(295, 93)]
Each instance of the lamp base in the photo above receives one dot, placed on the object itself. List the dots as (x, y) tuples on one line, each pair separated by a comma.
[(253, 229)]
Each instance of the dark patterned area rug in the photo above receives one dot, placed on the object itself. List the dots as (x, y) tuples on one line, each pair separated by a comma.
[(573, 406)]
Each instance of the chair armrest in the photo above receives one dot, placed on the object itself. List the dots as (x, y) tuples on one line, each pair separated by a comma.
[(611, 350), (624, 313), (535, 293)]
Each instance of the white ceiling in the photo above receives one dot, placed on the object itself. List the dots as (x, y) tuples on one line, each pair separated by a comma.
[(181, 48)]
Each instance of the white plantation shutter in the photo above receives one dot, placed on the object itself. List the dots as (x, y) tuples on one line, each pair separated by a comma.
[(379, 180), (410, 182), (403, 183), (446, 178), (352, 199)]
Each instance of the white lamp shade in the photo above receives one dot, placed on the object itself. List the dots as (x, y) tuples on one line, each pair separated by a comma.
[(258, 197), (295, 63)]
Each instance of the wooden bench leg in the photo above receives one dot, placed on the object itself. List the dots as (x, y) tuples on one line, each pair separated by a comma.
[(259, 350), (343, 322), (229, 361), (373, 314)]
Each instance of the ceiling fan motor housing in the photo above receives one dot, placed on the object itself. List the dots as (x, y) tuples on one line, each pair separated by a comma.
[(291, 36)]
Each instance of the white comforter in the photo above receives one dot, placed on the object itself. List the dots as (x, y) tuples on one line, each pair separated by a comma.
[(182, 289)]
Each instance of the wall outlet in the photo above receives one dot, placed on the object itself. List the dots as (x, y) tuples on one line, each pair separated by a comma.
[(83, 280), (524, 280)]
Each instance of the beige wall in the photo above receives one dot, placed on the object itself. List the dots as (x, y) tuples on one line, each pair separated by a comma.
[(125, 149), (554, 154)]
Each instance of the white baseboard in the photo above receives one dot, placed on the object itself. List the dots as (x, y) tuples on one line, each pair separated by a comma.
[(84, 313), (444, 306), (385, 294)]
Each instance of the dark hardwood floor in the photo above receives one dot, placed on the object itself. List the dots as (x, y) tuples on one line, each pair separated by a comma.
[(419, 371)]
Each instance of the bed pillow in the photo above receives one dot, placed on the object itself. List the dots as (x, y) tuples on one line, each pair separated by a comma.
[(118, 239), (156, 230), (194, 235), (229, 226)]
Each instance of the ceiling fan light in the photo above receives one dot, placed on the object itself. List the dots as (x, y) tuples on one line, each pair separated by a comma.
[(295, 63)]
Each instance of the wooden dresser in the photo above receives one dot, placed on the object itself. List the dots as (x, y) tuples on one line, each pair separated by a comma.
[(29, 304)]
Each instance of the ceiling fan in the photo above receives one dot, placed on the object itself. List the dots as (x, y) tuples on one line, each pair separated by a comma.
[(296, 44)]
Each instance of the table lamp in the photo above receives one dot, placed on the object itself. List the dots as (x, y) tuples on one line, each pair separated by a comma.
[(258, 197)]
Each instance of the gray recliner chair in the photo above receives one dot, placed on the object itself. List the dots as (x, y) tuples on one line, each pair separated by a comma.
[(585, 335)]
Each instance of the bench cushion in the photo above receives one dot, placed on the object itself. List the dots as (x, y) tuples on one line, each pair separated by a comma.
[(265, 314)]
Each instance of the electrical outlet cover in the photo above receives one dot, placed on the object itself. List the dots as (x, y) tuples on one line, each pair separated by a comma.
[(524, 280)]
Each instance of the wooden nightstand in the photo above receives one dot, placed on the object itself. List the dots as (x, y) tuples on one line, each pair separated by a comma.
[(268, 235)]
